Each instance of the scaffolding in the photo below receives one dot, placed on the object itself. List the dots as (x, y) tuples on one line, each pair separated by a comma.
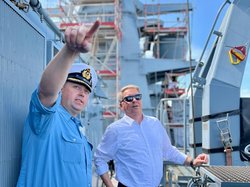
[(165, 31), (162, 26), (166, 24), (104, 56)]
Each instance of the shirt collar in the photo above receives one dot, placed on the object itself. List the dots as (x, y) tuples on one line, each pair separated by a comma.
[(130, 120)]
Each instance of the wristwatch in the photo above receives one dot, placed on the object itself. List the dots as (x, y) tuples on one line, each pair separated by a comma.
[(192, 164)]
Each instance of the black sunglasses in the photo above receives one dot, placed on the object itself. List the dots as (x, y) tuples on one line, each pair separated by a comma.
[(130, 98)]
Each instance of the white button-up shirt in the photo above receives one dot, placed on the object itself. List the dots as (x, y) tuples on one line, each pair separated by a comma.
[(138, 151)]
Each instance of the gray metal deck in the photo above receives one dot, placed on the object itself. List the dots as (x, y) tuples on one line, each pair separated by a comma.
[(228, 176)]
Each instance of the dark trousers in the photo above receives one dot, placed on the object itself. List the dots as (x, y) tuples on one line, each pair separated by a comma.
[(120, 185)]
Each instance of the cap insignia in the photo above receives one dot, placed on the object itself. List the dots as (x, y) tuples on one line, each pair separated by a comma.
[(86, 74)]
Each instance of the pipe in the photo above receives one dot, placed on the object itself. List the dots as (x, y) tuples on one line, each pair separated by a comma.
[(36, 5), (211, 31)]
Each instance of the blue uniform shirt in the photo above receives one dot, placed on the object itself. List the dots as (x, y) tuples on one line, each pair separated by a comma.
[(138, 151), (55, 153)]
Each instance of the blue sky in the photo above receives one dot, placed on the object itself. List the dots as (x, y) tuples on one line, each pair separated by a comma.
[(201, 21)]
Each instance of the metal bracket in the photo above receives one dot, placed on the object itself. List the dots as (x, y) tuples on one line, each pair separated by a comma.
[(224, 127), (198, 82), (21, 5)]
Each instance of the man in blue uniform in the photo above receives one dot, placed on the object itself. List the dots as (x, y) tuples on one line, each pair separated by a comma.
[(55, 152)]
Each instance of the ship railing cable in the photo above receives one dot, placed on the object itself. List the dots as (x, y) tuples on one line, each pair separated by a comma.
[(190, 69)]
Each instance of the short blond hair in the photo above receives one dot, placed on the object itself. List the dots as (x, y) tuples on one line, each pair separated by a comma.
[(123, 89)]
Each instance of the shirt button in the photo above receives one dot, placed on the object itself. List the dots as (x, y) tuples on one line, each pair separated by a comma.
[(73, 119), (74, 140)]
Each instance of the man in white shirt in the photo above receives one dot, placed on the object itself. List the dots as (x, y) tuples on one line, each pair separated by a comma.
[(138, 144)]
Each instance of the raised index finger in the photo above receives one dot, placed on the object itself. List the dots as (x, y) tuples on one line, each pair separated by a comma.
[(93, 29)]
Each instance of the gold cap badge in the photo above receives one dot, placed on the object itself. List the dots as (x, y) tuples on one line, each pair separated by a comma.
[(86, 74)]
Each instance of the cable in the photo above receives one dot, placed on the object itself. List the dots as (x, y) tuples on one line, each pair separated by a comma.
[(191, 78)]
